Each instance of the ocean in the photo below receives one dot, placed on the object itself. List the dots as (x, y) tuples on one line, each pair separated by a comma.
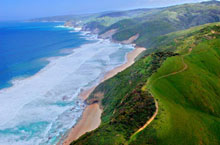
[(43, 69)]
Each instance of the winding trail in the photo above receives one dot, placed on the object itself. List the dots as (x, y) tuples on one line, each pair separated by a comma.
[(156, 103), (176, 72), (149, 121), (91, 118)]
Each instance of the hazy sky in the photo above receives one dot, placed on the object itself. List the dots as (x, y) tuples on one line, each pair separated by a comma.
[(25, 9)]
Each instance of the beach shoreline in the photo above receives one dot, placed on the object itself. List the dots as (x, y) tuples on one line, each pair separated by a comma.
[(91, 118)]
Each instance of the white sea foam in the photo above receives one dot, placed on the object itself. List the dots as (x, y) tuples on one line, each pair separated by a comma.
[(77, 29), (41, 108), (74, 29), (65, 27)]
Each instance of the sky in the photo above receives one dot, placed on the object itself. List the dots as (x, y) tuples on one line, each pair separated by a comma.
[(27, 9)]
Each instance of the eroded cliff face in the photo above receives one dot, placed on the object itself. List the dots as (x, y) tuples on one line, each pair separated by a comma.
[(131, 39), (108, 34)]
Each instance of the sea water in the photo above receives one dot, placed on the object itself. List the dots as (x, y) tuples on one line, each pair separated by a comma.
[(43, 69)]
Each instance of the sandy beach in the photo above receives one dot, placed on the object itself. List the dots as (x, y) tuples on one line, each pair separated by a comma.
[(91, 118)]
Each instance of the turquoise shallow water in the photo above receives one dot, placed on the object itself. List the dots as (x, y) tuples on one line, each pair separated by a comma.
[(44, 69)]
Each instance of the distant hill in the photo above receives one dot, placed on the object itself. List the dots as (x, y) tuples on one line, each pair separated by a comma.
[(65, 18), (151, 25), (147, 23)]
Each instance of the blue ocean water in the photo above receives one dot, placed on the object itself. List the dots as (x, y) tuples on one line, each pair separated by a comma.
[(43, 69), (23, 44)]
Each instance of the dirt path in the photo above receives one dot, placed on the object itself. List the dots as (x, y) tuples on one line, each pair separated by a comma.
[(176, 72), (149, 121), (156, 103), (91, 118)]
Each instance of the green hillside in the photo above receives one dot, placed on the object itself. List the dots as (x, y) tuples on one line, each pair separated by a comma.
[(151, 23), (126, 106), (179, 72), (188, 92), (185, 83), (177, 79), (148, 23), (111, 20), (167, 20)]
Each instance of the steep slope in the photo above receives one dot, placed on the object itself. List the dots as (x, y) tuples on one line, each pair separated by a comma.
[(167, 20), (148, 23), (187, 88), (126, 107), (186, 85), (105, 22)]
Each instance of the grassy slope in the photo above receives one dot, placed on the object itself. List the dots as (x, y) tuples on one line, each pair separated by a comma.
[(189, 111), (167, 20), (126, 106), (119, 20), (171, 41)]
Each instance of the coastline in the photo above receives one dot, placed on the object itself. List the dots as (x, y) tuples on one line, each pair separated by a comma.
[(56, 76), (91, 118)]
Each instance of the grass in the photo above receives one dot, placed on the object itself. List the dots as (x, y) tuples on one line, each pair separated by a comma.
[(189, 111), (127, 107), (151, 27)]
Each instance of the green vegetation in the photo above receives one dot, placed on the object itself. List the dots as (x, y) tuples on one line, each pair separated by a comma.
[(148, 23), (189, 111), (180, 69), (185, 84), (126, 106), (171, 19), (116, 20), (152, 23), (173, 41)]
